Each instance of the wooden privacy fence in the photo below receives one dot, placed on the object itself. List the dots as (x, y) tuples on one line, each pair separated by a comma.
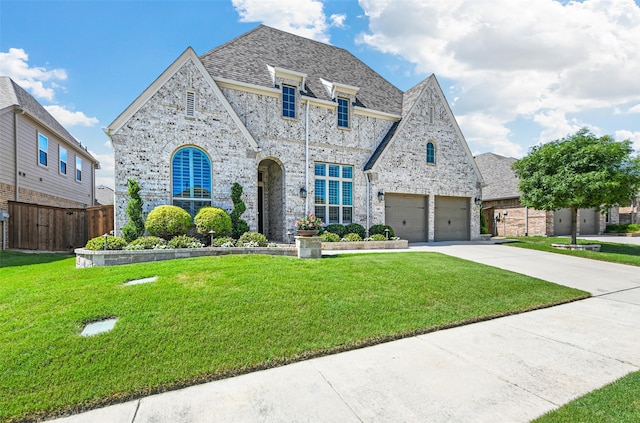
[(37, 227)]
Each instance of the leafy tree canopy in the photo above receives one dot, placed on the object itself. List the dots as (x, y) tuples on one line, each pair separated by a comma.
[(578, 171)]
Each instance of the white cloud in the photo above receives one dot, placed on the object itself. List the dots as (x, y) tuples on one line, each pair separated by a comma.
[(14, 65), (541, 62), (634, 137), (488, 134), (337, 20), (106, 174), (634, 109), (68, 118), (302, 17)]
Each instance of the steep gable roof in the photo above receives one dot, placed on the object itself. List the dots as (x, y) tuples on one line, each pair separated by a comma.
[(501, 181), (13, 95), (187, 55), (246, 59)]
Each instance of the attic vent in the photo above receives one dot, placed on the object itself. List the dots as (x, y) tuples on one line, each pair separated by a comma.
[(191, 104)]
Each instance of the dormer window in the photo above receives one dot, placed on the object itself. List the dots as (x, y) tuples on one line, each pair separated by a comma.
[(190, 109), (288, 101), (343, 112)]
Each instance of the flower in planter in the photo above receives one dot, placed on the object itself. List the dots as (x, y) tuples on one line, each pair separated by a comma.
[(309, 223)]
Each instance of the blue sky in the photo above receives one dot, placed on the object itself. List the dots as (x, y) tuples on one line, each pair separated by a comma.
[(516, 73)]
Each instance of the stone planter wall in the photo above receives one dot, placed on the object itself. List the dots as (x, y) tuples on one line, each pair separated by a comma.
[(366, 245), (93, 258)]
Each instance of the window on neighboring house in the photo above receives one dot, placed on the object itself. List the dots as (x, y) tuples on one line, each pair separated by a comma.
[(78, 169), (431, 153), (191, 179), (334, 193), (343, 112), (43, 149), (191, 104), (63, 161), (288, 101)]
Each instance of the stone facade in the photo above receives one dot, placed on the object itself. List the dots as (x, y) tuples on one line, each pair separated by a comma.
[(241, 129)]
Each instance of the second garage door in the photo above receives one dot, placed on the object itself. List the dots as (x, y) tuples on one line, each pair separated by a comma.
[(452, 219), (407, 215)]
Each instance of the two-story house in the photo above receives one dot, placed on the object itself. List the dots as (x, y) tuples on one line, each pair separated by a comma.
[(304, 127)]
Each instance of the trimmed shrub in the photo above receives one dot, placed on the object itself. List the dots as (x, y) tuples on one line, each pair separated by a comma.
[(168, 221), (135, 225), (184, 241), (356, 228), (147, 243), (336, 228), (379, 229), (330, 237), (621, 229), (238, 226), (113, 243), (225, 241), (376, 237), (252, 238), (351, 237), (213, 218)]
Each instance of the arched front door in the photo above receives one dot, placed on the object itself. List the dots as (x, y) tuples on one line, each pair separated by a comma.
[(271, 200)]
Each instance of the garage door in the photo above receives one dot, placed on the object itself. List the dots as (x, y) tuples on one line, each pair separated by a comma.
[(562, 222), (407, 215), (589, 222), (452, 219)]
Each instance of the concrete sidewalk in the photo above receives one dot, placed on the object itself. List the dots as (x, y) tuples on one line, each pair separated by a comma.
[(510, 369)]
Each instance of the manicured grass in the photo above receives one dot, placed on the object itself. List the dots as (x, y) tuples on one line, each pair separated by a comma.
[(214, 317), (609, 251), (618, 402)]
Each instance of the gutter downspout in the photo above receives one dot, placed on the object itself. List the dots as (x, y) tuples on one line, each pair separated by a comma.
[(15, 150), (306, 158), (368, 200)]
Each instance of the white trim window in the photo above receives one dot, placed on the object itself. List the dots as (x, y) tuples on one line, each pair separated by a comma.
[(78, 169), (43, 150), (63, 160), (333, 189), (288, 101), (190, 106), (343, 112)]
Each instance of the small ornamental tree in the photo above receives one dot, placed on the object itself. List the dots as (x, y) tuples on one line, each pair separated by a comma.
[(135, 226), (578, 171), (238, 226)]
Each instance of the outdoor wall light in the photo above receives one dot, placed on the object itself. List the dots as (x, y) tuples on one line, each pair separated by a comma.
[(380, 196), (477, 201), (303, 192)]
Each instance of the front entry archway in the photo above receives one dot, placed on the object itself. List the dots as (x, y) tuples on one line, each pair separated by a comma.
[(271, 200)]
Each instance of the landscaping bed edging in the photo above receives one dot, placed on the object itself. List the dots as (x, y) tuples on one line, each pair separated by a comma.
[(93, 258), (366, 245), (575, 247)]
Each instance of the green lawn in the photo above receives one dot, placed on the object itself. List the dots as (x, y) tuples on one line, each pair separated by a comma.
[(613, 252), (618, 402), (214, 317)]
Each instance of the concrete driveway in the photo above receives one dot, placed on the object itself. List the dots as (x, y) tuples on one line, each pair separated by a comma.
[(510, 369)]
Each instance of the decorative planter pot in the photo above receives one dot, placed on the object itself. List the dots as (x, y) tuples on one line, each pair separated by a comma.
[(307, 232)]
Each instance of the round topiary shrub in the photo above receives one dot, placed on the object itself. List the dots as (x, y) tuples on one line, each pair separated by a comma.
[(351, 237), (251, 238), (213, 218), (376, 237), (330, 237), (336, 228), (147, 243), (379, 229), (184, 241), (168, 221), (113, 243), (356, 228)]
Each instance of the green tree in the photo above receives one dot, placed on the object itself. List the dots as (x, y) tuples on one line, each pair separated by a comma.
[(578, 171), (238, 226), (135, 225)]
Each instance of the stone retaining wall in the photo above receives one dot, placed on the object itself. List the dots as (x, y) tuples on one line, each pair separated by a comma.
[(366, 245)]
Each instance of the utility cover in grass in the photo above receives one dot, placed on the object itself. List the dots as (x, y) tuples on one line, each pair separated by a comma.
[(98, 327), (139, 281)]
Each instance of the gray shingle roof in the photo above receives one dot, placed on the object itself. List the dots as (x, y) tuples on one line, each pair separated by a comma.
[(245, 59), (12, 94), (501, 181)]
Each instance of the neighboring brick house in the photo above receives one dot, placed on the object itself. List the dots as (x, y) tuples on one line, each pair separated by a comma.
[(506, 216), (304, 127), (41, 163)]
